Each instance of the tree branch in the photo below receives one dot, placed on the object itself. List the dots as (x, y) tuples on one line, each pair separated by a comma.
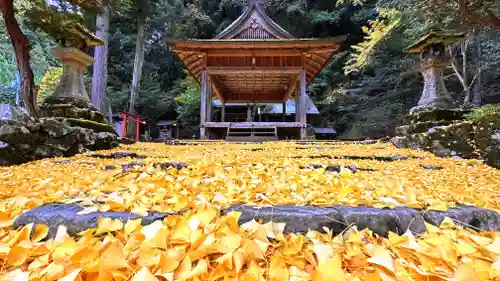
[(453, 63), (491, 20)]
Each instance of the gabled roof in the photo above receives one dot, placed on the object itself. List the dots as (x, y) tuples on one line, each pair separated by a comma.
[(254, 23)]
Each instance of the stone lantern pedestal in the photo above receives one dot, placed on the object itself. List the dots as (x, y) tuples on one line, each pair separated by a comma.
[(70, 101), (434, 95), (71, 86)]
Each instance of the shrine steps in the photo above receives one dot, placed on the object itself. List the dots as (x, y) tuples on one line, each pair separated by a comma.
[(251, 133)]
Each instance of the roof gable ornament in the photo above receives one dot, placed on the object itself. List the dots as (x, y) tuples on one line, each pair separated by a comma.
[(254, 23)]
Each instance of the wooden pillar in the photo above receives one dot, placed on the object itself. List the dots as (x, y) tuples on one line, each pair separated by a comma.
[(223, 112), (209, 100), (297, 102), (203, 109), (303, 105), (283, 116)]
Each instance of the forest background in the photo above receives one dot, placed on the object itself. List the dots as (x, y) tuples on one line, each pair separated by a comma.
[(362, 93)]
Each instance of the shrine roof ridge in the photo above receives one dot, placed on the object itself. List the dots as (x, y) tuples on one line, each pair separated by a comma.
[(257, 5)]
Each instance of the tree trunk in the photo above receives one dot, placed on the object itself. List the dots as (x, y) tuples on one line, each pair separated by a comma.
[(100, 70), (477, 95), (465, 76), (136, 76), (21, 47)]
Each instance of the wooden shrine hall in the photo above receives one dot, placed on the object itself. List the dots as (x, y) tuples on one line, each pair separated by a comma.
[(254, 61)]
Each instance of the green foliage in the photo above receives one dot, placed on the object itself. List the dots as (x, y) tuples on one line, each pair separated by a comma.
[(48, 83), (189, 103), (378, 31), (479, 112), (63, 20), (7, 94), (40, 53)]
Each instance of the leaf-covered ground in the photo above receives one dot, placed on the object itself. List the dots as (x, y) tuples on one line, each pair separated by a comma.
[(202, 245)]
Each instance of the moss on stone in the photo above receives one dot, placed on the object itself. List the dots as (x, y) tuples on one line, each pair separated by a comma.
[(98, 127), (61, 105), (51, 101), (435, 115)]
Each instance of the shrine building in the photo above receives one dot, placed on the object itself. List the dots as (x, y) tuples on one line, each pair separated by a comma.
[(255, 63)]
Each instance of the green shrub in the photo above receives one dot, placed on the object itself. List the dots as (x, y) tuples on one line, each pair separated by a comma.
[(480, 112)]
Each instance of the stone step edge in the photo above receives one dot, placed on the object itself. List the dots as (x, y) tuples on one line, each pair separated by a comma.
[(298, 219)]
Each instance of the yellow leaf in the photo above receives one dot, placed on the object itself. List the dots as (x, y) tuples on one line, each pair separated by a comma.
[(85, 257), (53, 272), (251, 226), (144, 275), (256, 248), (150, 230), (148, 256), (17, 255), (324, 252), (447, 223), (72, 276), (131, 226), (298, 275), (228, 244), (278, 270), (160, 239), (113, 258), (254, 273), (205, 217), (105, 225), (232, 220), (40, 232), (199, 269), (168, 263), (328, 270), (18, 275), (383, 258), (437, 206), (204, 249), (183, 269), (494, 247), (465, 248), (167, 276), (39, 262), (293, 245), (274, 229), (21, 235), (464, 272), (5, 220), (64, 250), (238, 260)]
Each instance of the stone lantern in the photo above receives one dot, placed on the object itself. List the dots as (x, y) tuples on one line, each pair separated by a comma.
[(70, 101), (433, 59)]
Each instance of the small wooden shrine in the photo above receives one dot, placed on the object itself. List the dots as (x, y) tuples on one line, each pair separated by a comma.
[(254, 61)]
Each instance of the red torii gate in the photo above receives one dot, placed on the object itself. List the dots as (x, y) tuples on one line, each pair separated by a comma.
[(133, 117)]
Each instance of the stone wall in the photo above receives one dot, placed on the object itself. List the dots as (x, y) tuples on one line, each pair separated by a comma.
[(447, 133), (24, 138)]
